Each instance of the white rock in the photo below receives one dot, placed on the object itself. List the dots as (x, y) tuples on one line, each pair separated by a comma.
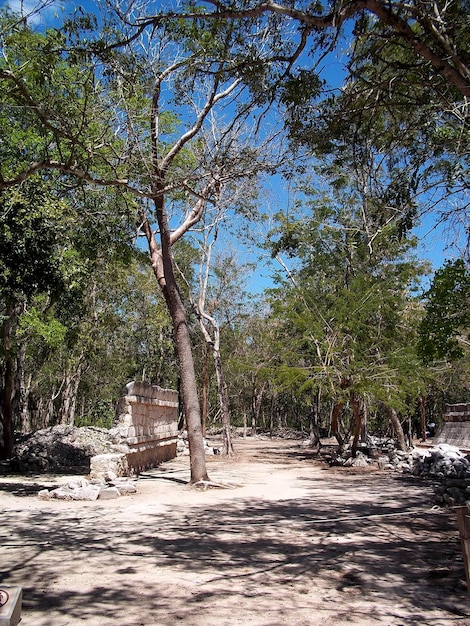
[(44, 494), (109, 493)]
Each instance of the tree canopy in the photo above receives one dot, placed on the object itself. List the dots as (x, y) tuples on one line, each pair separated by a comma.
[(133, 122)]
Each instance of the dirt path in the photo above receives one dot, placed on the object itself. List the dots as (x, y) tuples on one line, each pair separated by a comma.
[(295, 544)]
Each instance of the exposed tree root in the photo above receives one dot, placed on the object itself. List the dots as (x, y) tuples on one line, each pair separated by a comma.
[(210, 484)]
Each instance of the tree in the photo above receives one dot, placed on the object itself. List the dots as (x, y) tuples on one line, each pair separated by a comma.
[(29, 265), (408, 61), (108, 121), (346, 310), (445, 328), (435, 32), (118, 332), (210, 329)]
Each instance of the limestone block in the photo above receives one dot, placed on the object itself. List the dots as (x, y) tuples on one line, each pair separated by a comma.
[(90, 492), (78, 483), (125, 488), (62, 493), (101, 464), (109, 493), (126, 419)]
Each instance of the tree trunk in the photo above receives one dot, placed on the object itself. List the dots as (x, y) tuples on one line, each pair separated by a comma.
[(397, 428), (256, 400), (314, 425), (364, 420), (162, 265), (189, 395), (69, 396), (26, 420), (20, 398), (422, 406), (337, 408), (204, 391), (356, 408), (7, 438), (214, 341), (64, 411), (48, 417), (224, 403)]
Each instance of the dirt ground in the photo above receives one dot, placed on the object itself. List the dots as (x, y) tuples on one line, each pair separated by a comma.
[(295, 543)]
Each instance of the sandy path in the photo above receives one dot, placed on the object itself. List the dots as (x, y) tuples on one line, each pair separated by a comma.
[(294, 544)]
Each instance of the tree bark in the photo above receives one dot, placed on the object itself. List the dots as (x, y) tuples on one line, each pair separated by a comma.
[(189, 394), (337, 408), (315, 440), (26, 420), (356, 408), (69, 396), (397, 428), (214, 341), (66, 400), (204, 391), (20, 399), (256, 399), (224, 403), (7, 439), (162, 266), (422, 406)]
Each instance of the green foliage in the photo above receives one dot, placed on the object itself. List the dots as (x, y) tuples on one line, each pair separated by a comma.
[(35, 322), (29, 240), (53, 109), (102, 415), (445, 328), (347, 309)]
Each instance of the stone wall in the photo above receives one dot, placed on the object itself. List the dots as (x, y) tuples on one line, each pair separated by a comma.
[(147, 421), (455, 428)]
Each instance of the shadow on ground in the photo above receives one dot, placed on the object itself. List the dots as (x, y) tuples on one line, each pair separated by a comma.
[(361, 557)]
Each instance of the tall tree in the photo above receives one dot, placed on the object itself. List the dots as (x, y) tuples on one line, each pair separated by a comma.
[(29, 265), (436, 32), (445, 328), (347, 306), (125, 108), (410, 60)]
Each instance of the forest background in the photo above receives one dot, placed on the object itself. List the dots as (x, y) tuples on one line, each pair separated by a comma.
[(154, 156)]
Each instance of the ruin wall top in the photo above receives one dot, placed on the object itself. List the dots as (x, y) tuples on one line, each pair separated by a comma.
[(457, 412)]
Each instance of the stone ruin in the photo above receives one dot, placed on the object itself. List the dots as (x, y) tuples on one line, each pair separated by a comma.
[(455, 427), (445, 466), (147, 421), (145, 434)]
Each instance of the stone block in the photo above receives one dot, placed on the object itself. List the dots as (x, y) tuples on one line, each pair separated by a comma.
[(125, 488), (62, 493), (103, 464), (44, 494), (109, 493)]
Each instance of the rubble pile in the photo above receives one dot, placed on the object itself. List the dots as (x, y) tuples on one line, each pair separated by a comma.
[(376, 451), (83, 489), (448, 466), (64, 447)]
